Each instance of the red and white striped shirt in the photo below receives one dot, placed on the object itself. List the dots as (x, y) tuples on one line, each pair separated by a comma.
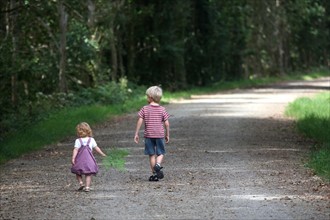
[(154, 117)]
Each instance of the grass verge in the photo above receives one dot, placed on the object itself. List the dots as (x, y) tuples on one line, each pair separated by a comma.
[(59, 125), (313, 120)]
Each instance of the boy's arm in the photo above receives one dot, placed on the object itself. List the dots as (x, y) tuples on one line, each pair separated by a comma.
[(167, 128), (138, 126)]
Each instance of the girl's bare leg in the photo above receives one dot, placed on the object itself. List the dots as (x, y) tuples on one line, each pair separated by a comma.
[(80, 180), (88, 180)]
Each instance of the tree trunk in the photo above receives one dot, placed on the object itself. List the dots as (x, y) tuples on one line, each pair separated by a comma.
[(120, 57), (130, 52), (114, 60), (115, 48), (91, 13), (63, 31), (279, 37), (93, 76), (180, 71), (14, 36)]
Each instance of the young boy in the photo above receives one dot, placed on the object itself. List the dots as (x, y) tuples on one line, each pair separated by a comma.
[(154, 117)]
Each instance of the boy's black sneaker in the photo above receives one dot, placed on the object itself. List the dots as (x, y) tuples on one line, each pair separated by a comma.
[(153, 178), (157, 167), (158, 171), (160, 174)]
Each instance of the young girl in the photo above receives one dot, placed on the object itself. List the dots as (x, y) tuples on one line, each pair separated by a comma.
[(83, 160)]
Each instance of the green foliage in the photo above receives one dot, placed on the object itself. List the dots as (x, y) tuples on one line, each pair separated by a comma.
[(313, 120), (181, 45), (110, 93), (115, 159), (43, 105)]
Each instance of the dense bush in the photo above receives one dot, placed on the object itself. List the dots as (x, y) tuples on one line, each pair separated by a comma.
[(45, 105)]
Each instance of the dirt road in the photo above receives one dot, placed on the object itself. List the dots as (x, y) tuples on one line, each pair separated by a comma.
[(232, 155)]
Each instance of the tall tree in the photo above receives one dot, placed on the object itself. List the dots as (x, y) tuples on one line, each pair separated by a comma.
[(14, 33), (63, 32)]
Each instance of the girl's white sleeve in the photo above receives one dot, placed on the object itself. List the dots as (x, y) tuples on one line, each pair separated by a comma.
[(93, 143), (77, 143)]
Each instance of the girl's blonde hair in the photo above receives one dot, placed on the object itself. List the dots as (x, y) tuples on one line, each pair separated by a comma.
[(84, 130), (155, 92)]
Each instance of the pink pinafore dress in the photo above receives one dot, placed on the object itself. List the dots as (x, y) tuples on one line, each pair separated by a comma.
[(85, 163)]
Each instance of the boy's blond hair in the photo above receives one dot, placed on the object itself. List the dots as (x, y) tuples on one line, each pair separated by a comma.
[(155, 92), (84, 130)]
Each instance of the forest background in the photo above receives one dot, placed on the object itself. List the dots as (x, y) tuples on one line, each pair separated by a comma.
[(58, 54)]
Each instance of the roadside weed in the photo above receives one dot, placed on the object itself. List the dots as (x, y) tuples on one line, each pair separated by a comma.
[(115, 159)]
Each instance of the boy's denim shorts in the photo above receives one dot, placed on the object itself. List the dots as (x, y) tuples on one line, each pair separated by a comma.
[(154, 146)]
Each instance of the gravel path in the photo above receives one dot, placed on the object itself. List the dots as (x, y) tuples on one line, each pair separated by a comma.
[(232, 155)]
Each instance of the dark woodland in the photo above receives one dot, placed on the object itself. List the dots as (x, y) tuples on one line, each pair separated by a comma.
[(54, 49)]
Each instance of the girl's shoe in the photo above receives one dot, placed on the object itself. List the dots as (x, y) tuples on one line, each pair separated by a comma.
[(81, 187), (87, 189)]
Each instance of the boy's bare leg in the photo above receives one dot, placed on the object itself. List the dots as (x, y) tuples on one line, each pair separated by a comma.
[(152, 159), (159, 159)]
